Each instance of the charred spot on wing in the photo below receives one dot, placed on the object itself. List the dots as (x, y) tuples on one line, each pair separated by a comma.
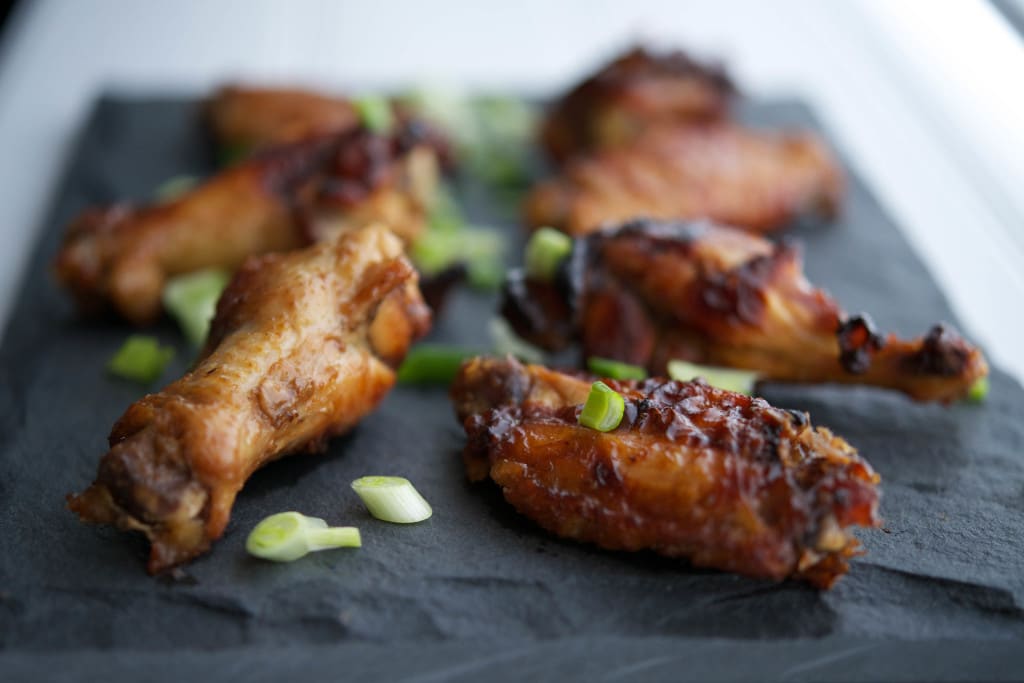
[(359, 165), (858, 342), (943, 352), (537, 311), (739, 293)]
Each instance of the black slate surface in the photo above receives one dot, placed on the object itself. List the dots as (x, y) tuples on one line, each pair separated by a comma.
[(477, 592)]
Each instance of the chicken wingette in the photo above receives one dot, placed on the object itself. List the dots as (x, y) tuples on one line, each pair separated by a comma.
[(119, 258), (304, 344), (648, 292), (761, 181), (721, 479)]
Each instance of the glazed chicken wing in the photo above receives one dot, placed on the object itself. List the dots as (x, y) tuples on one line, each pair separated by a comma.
[(648, 292), (283, 198), (755, 180), (719, 478), (635, 91), (304, 344), (254, 118)]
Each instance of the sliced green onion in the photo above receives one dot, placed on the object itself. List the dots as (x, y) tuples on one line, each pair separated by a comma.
[(374, 113), (433, 364), (604, 408), (140, 359), (506, 127), (486, 274), (479, 249), (175, 187), (546, 249), (730, 379), (979, 390), (392, 499), (492, 134), (445, 214), (192, 300), (512, 120), (446, 107), (507, 343), (613, 369), (287, 536)]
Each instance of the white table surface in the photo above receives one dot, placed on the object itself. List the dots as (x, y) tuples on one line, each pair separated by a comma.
[(925, 98)]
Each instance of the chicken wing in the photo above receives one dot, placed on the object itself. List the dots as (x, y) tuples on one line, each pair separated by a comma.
[(633, 92), (253, 118), (304, 344), (649, 291), (719, 478), (280, 199), (758, 181)]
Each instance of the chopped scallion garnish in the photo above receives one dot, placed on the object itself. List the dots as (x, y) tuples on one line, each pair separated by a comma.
[(192, 300), (140, 359), (507, 343), (374, 113), (479, 249), (546, 249), (392, 499), (492, 134), (613, 369), (171, 189), (288, 536), (979, 390), (730, 379), (433, 364), (604, 408)]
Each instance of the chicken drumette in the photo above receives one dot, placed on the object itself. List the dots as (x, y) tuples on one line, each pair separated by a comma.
[(283, 198), (649, 292), (633, 92), (304, 344)]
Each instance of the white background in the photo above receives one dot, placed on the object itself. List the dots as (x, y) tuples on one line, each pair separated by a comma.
[(926, 98)]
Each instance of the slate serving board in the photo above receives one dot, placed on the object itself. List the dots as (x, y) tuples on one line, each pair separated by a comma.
[(477, 592)]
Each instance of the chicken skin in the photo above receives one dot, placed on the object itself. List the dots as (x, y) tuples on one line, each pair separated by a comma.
[(633, 92), (254, 118), (721, 479), (649, 292), (119, 258), (758, 181), (304, 344)]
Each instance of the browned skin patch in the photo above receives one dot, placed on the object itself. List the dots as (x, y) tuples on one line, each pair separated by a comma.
[(756, 180), (280, 199), (634, 91), (721, 479), (651, 291), (304, 344), (254, 118)]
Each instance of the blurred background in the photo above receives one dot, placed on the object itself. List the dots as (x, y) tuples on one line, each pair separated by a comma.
[(925, 99)]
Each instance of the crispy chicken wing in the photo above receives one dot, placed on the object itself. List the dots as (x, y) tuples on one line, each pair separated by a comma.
[(252, 118), (283, 198), (304, 344), (649, 291), (633, 92), (719, 478), (755, 180)]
